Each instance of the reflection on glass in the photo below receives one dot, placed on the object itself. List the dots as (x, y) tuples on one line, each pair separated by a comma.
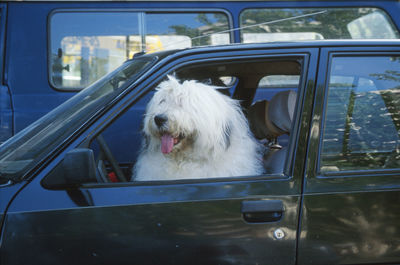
[(262, 25), (87, 45), (25, 149), (183, 30), (362, 122)]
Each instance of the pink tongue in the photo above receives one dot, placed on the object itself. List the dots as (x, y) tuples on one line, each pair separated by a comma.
[(167, 143)]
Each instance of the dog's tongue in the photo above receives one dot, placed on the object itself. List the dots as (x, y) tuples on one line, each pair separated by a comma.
[(167, 143)]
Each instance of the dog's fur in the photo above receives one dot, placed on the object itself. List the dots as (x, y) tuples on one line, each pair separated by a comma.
[(203, 134)]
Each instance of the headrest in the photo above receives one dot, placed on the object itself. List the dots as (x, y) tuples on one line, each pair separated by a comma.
[(281, 109), (270, 119)]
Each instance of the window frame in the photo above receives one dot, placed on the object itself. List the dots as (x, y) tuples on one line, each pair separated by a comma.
[(314, 181), (291, 169), (342, 181), (142, 28)]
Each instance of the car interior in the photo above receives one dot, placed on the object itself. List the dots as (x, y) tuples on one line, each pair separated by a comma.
[(268, 105)]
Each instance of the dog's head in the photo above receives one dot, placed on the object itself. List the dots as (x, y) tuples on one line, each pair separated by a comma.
[(189, 116)]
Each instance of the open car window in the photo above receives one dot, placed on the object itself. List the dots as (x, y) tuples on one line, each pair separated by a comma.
[(21, 153), (118, 150)]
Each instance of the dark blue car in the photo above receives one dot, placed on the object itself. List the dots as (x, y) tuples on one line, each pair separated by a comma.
[(329, 194)]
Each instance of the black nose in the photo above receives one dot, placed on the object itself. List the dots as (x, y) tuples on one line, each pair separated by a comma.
[(160, 120)]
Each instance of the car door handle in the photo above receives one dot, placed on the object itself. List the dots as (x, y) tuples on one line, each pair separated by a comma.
[(262, 211)]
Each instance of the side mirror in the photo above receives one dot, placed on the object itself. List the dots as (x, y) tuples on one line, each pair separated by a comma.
[(78, 167)]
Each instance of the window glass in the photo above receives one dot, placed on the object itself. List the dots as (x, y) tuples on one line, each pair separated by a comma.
[(31, 145), (362, 120), (261, 25), (87, 45), (183, 30)]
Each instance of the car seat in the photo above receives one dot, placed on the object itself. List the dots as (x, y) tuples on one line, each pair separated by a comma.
[(269, 120)]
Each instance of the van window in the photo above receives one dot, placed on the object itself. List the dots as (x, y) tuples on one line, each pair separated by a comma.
[(362, 121), (84, 46), (166, 31), (262, 25)]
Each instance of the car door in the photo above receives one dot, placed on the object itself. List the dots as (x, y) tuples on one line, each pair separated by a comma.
[(244, 220), (352, 189)]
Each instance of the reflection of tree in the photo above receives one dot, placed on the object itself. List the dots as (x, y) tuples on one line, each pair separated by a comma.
[(388, 75), (391, 75), (211, 25), (391, 96), (366, 127), (331, 24)]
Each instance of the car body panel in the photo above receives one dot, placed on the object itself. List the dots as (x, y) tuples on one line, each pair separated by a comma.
[(197, 222), (352, 218), (172, 225)]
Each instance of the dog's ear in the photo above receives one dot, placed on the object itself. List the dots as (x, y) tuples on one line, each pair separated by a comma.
[(227, 134)]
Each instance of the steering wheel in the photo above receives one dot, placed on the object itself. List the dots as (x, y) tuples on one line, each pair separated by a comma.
[(106, 153)]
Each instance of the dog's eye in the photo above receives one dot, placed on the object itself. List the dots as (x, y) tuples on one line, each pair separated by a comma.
[(162, 101)]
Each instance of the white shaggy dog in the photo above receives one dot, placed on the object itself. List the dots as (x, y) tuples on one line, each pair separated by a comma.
[(193, 131)]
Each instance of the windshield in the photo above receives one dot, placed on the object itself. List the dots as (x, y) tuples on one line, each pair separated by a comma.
[(21, 152)]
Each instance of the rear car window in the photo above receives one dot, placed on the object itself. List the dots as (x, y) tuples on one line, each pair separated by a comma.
[(84, 46), (362, 116), (263, 25)]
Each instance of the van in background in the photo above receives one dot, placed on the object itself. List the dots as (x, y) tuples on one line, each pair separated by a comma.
[(49, 50)]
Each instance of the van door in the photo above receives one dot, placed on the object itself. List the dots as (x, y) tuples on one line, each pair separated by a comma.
[(6, 113), (351, 202), (7, 188)]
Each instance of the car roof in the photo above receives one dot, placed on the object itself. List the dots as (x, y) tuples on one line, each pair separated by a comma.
[(281, 45)]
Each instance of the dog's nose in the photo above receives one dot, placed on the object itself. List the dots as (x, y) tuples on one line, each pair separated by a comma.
[(160, 120)]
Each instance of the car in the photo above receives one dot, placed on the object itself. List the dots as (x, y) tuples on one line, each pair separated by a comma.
[(329, 193)]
